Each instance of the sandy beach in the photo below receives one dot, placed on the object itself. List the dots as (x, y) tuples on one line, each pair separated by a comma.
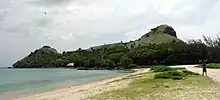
[(84, 92), (81, 92)]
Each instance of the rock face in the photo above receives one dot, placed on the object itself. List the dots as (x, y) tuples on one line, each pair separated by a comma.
[(47, 50), (42, 57), (162, 29)]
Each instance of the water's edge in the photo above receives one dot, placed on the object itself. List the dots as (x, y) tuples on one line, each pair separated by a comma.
[(22, 93)]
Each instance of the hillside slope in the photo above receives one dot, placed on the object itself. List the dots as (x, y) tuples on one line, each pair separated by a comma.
[(157, 45), (159, 35), (42, 57)]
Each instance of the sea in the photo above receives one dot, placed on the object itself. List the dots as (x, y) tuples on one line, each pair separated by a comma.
[(16, 83)]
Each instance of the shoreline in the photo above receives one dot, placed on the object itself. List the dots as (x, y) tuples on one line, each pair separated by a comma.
[(26, 93), (32, 89), (82, 91)]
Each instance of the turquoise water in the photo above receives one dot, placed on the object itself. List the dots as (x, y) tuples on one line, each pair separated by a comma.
[(14, 82)]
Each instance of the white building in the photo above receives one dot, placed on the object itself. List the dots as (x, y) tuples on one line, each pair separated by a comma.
[(70, 65)]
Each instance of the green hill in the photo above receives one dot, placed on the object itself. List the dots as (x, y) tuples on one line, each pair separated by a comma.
[(159, 35), (42, 57), (159, 46)]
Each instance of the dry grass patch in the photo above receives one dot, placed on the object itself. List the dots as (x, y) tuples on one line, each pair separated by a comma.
[(145, 87)]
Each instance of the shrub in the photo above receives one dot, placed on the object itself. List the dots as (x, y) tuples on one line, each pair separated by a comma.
[(162, 75), (175, 75), (164, 68), (213, 65), (160, 68), (179, 68), (188, 73)]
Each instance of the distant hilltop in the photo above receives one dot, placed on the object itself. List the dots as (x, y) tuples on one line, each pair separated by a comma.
[(160, 34), (41, 57), (159, 46), (162, 29)]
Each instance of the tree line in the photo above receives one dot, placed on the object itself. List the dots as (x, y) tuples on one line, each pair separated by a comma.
[(123, 57)]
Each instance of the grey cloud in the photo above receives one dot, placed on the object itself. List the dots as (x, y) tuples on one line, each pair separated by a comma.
[(198, 14), (43, 22), (27, 29), (94, 22), (88, 41), (50, 2), (3, 14), (17, 30), (4, 4)]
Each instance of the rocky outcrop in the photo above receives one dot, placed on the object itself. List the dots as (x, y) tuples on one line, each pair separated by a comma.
[(162, 29)]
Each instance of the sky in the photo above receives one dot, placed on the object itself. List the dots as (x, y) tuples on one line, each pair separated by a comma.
[(71, 24)]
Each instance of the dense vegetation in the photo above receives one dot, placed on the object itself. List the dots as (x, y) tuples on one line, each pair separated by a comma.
[(164, 68), (171, 73), (213, 65), (159, 46)]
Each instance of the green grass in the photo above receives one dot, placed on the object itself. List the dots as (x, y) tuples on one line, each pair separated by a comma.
[(188, 73), (175, 74), (152, 39), (213, 65), (170, 75), (147, 87), (162, 68)]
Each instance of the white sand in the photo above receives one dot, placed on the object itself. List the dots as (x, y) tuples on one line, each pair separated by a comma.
[(83, 91)]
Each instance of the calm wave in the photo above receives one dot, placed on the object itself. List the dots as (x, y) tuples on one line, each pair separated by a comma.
[(14, 82)]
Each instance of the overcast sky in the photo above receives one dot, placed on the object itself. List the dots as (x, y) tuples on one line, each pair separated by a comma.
[(71, 24)]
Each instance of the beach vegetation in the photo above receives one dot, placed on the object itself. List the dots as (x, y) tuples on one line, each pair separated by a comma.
[(174, 85)]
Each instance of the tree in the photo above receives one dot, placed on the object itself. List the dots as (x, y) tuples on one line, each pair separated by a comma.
[(125, 61), (106, 63)]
